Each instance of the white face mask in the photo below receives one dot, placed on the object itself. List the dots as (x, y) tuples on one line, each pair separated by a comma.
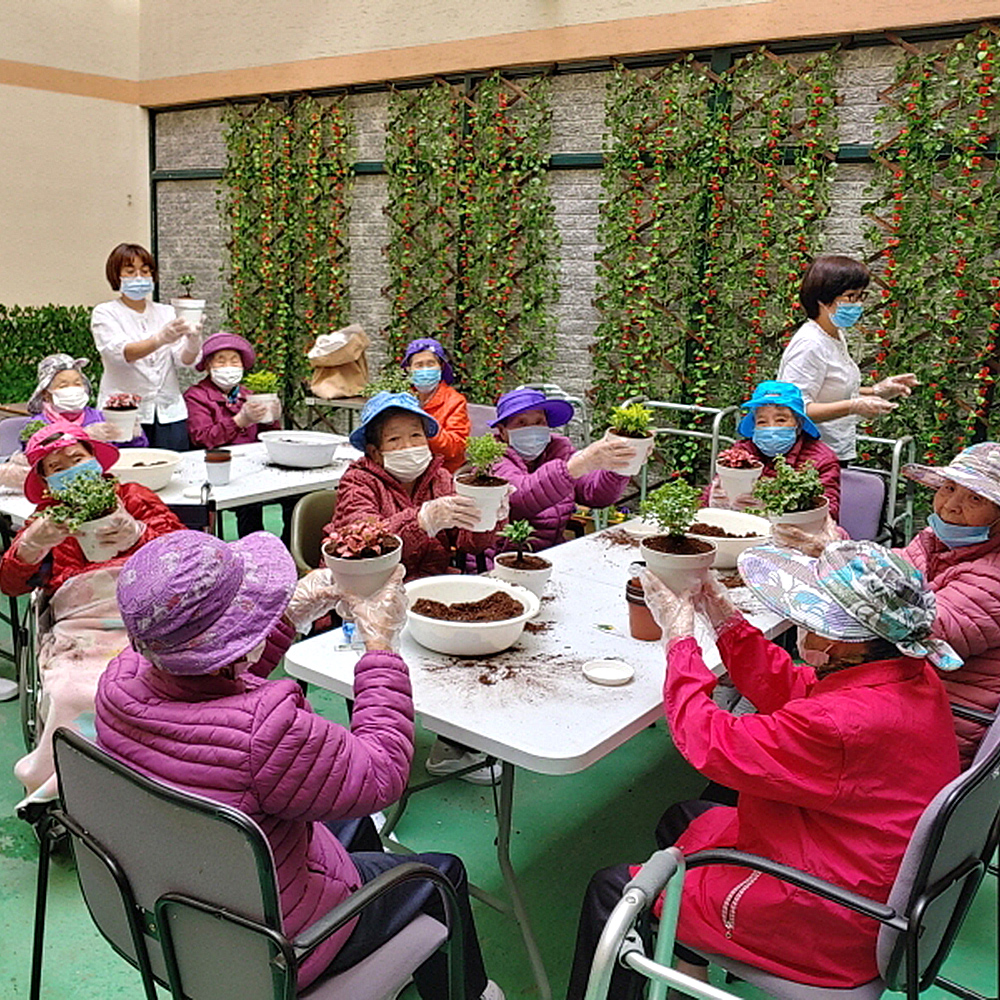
[(72, 399), (407, 463), (225, 377)]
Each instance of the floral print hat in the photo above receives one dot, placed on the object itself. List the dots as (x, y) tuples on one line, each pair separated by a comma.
[(977, 468)]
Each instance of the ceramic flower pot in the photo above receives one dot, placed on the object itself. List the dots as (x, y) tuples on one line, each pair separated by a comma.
[(93, 549), (809, 521), (679, 571), (736, 482), (363, 576), (643, 446), (532, 579), (486, 498), (273, 401), (189, 310), (123, 422)]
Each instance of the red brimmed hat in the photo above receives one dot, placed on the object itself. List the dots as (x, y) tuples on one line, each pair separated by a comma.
[(52, 437)]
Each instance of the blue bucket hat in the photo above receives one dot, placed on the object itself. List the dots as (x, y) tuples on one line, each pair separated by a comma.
[(557, 411), (777, 394), (383, 401), (436, 348)]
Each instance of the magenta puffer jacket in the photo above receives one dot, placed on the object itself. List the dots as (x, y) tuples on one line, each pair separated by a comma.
[(966, 585), (257, 745), (547, 494), (210, 416)]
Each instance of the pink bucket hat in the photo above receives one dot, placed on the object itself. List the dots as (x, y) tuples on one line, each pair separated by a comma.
[(223, 341), (52, 437), (193, 603), (977, 468)]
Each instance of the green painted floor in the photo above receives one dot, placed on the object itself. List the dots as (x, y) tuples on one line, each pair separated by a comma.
[(564, 829)]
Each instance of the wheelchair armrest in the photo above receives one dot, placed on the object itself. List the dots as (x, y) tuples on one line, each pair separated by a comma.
[(818, 886), (972, 714), (314, 935)]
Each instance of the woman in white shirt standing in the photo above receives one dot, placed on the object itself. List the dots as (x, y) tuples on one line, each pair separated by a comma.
[(141, 344), (818, 362)]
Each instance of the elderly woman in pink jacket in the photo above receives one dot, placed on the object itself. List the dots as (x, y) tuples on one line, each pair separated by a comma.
[(189, 704)]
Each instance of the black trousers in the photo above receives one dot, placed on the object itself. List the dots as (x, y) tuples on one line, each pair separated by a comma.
[(250, 518), (173, 435)]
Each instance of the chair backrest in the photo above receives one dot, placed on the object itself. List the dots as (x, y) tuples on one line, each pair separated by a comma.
[(480, 416), (862, 502), (311, 514), (166, 841), (10, 434), (944, 863)]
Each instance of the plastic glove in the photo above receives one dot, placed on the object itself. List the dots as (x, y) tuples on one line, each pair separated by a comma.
[(38, 539), (871, 406), (503, 511), (314, 595), (674, 613), (193, 334), (14, 471), (252, 412), (447, 512), (810, 544), (102, 431), (174, 330), (380, 618), (122, 530), (606, 455), (715, 601), (896, 385), (717, 497)]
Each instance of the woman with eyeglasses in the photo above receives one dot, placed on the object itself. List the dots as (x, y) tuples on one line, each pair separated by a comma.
[(818, 361)]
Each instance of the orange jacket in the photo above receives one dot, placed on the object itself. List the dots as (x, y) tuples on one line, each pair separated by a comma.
[(448, 407)]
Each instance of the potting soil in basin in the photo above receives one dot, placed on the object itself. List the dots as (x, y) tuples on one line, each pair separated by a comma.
[(495, 607)]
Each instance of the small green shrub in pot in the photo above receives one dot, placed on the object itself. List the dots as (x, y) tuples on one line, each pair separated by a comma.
[(483, 453), (30, 427), (88, 497), (673, 507), (261, 383), (186, 281), (390, 379), (789, 490), (675, 557), (631, 421)]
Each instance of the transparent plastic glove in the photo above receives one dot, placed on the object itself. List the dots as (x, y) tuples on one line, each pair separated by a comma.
[(604, 455), (809, 544), (674, 613), (447, 512), (102, 431), (896, 385), (252, 412), (194, 334), (174, 330), (314, 595), (14, 471), (714, 600), (503, 511), (380, 618), (717, 497), (871, 406), (39, 539), (122, 530)]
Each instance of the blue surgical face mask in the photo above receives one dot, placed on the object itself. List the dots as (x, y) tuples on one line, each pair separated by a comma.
[(58, 481), (847, 315), (775, 440), (529, 442), (425, 378), (957, 536), (136, 288)]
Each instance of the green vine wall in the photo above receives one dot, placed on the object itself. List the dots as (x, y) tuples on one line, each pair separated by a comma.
[(285, 202), (472, 233)]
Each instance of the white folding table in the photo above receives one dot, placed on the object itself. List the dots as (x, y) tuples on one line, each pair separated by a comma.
[(531, 706)]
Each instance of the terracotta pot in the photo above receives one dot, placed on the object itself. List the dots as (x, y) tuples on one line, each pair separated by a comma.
[(640, 618)]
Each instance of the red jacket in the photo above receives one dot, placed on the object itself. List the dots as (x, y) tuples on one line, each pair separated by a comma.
[(450, 409), (832, 774), (210, 417), (367, 490), (67, 558)]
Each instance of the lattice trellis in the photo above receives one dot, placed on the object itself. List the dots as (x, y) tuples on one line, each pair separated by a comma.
[(285, 202), (936, 237), (472, 235)]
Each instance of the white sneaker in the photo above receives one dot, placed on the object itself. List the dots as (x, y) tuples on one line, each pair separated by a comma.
[(8, 689), (492, 992), (446, 759)]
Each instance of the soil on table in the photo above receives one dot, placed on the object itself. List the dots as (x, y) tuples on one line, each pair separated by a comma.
[(479, 479), (495, 607), (731, 580), (514, 561), (682, 546), (619, 536), (536, 627), (714, 531)]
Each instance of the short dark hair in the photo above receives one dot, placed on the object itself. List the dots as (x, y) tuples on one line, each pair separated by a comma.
[(122, 255), (829, 277)]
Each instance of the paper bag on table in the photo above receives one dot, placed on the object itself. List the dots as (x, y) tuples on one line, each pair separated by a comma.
[(339, 363)]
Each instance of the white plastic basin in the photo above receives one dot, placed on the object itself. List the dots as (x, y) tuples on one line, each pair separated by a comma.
[(300, 449), (739, 523), (151, 467)]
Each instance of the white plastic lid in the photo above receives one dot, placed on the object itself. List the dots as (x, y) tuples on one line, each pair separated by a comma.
[(611, 673)]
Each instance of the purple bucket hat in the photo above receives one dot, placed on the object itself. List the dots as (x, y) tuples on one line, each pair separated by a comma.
[(436, 348), (557, 411), (977, 468), (223, 341), (192, 603)]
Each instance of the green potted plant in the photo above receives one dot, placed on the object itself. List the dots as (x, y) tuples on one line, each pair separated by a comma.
[(479, 484), (529, 571), (84, 505), (120, 411), (263, 388), (738, 469), (29, 428), (631, 423), (186, 306), (362, 555), (675, 556), (390, 379), (793, 496)]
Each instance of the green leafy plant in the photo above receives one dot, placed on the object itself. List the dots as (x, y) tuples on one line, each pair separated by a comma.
[(186, 281), (391, 379), (631, 421), (518, 533), (483, 453), (362, 539), (30, 427), (262, 382), (789, 489), (86, 498), (673, 506)]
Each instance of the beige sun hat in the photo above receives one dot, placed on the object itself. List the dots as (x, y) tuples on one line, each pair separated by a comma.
[(977, 468)]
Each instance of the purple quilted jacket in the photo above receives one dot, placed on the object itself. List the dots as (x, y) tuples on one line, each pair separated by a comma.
[(547, 494), (257, 745)]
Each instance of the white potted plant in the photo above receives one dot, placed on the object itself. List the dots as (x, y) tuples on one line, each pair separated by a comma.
[(738, 470), (631, 425), (120, 410), (84, 505), (480, 484), (186, 306), (675, 556), (528, 570), (362, 555), (793, 496), (263, 388)]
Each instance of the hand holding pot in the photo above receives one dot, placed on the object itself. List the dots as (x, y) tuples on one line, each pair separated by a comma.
[(896, 385), (605, 455), (253, 411), (103, 431), (447, 512), (716, 603), (314, 595), (809, 543), (717, 497), (39, 538), (122, 530), (173, 331), (380, 618), (674, 613), (503, 511)]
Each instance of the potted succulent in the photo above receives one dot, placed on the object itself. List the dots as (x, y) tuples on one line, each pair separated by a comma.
[(120, 410), (675, 556), (480, 484), (529, 571), (263, 388), (793, 496), (362, 555), (186, 306), (631, 424), (738, 469), (390, 379), (86, 504)]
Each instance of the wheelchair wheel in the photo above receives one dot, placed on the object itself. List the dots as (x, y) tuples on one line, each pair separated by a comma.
[(29, 681)]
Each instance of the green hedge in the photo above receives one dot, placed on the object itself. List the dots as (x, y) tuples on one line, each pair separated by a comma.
[(29, 333)]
